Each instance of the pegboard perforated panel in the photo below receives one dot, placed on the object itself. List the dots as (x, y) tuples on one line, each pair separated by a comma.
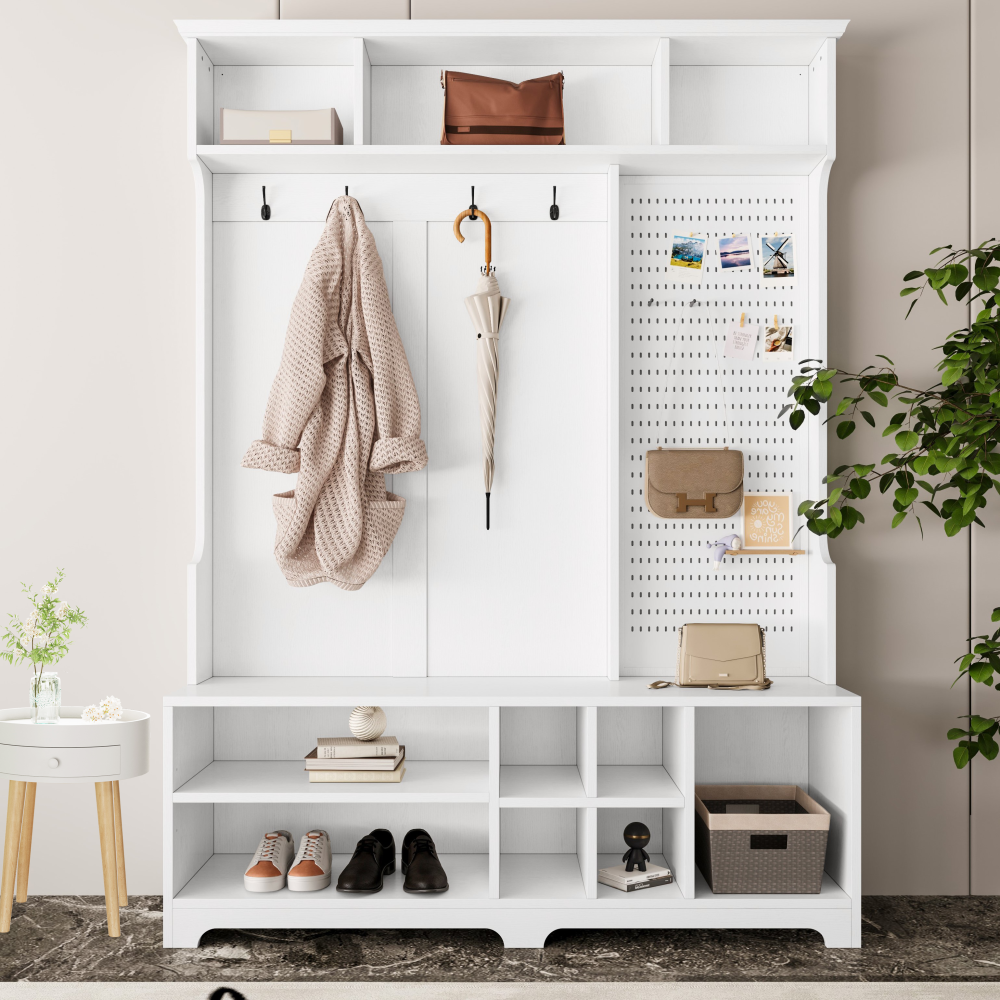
[(677, 390)]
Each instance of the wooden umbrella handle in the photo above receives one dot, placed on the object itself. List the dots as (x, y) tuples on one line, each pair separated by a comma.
[(457, 229)]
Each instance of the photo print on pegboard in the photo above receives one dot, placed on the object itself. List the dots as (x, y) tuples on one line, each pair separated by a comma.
[(735, 253), (779, 342), (687, 256), (777, 255)]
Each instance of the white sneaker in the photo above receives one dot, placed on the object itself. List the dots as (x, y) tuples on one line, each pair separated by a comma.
[(313, 863), (270, 863)]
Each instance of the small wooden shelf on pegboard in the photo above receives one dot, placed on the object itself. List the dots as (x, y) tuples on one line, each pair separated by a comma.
[(765, 552)]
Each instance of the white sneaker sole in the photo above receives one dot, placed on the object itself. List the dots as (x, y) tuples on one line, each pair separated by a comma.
[(257, 884), (308, 883)]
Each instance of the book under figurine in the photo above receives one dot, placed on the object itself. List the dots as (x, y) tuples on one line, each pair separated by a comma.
[(358, 776), (315, 763), (334, 747), (618, 878)]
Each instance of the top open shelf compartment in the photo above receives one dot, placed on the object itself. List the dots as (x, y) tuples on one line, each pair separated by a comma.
[(648, 95)]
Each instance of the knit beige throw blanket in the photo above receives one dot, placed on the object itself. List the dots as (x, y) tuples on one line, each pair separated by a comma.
[(343, 412)]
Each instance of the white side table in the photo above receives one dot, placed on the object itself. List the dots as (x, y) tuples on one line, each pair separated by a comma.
[(69, 750)]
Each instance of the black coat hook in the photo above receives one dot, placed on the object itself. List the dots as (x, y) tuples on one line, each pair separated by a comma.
[(472, 206), (554, 210), (265, 211), (345, 191)]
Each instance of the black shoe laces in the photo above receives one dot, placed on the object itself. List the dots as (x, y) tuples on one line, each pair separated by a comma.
[(422, 844), (367, 845)]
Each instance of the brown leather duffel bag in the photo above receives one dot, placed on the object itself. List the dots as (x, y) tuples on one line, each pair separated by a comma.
[(479, 110)]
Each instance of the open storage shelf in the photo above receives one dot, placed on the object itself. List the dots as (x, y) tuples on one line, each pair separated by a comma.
[(513, 664), (220, 880), (753, 161), (285, 781), (511, 835)]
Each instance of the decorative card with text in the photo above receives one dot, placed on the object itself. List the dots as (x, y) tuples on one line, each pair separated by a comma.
[(741, 342), (767, 521)]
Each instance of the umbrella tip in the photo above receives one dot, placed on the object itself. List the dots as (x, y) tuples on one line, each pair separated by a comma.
[(487, 512)]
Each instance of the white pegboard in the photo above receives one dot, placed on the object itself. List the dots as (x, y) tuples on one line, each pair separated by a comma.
[(677, 390)]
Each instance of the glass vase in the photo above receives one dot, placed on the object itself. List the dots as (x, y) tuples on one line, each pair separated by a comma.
[(45, 697)]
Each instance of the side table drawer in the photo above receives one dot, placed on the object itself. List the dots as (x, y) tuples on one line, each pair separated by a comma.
[(60, 762)]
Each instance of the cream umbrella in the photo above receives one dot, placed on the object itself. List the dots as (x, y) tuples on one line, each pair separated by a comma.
[(487, 308)]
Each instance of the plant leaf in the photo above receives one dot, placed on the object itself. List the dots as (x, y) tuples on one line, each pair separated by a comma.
[(978, 724)]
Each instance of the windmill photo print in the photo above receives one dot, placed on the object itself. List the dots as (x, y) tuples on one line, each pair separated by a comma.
[(735, 252), (777, 254), (687, 256)]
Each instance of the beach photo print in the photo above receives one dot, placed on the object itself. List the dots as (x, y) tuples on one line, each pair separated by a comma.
[(735, 253), (687, 256), (777, 254)]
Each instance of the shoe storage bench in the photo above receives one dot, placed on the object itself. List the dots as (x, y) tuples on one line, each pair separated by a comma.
[(524, 785), (513, 663)]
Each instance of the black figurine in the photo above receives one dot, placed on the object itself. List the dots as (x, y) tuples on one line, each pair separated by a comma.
[(637, 837)]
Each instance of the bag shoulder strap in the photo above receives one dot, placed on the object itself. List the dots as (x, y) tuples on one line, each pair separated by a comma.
[(762, 686)]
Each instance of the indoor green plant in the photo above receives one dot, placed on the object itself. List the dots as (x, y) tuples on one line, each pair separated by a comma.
[(42, 637), (946, 463)]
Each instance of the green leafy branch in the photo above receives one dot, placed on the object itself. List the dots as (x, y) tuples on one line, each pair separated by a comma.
[(980, 665), (947, 436), (42, 637)]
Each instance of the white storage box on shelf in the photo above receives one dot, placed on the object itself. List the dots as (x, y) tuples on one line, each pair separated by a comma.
[(514, 664)]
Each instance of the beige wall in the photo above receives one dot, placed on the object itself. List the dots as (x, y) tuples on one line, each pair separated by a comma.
[(97, 366), (985, 212), (97, 356)]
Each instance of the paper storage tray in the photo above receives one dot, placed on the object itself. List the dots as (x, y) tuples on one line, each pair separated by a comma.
[(296, 128), (777, 845)]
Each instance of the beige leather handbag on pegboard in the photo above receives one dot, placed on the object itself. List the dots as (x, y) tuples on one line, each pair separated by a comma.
[(694, 482), (720, 655)]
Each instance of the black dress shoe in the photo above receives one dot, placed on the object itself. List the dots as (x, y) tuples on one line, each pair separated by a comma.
[(420, 862), (374, 857)]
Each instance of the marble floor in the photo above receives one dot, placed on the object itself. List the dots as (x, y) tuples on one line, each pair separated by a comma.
[(916, 938)]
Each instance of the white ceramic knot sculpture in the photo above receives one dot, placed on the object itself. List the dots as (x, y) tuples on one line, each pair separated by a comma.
[(367, 722)]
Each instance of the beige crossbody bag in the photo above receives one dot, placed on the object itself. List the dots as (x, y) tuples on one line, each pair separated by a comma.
[(717, 655)]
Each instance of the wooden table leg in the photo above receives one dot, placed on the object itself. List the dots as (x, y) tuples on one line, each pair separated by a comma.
[(119, 845), (106, 826), (12, 841), (24, 854)]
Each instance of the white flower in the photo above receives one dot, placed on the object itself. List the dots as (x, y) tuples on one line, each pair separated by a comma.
[(111, 708), (48, 589), (91, 714), (60, 609)]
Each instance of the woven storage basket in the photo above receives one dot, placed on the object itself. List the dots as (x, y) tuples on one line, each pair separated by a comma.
[(781, 848)]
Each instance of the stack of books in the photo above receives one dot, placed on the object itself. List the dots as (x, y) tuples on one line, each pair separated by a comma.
[(618, 878), (344, 758)]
